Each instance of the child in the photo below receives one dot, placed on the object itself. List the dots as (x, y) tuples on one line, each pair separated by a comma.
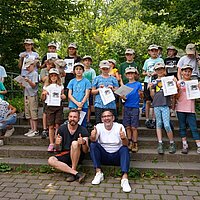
[(78, 91), (90, 74), (43, 77), (53, 87), (185, 109), (148, 72), (3, 90), (131, 108), (31, 97), (161, 105)]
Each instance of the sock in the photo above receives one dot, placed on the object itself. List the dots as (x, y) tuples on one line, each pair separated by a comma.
[(171, 142), (198, 144), (160, 141)]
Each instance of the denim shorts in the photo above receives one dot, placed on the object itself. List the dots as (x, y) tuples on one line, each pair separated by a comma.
[(131, 117)]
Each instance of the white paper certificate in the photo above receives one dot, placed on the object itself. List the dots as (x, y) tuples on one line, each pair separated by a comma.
[(20, 79), (82, 115), (123, 90), (69, 65), (107, 95), (52, 55), (169, 85), (192, 89)]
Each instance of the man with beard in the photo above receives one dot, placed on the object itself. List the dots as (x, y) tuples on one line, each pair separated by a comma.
[(73, 141), (109, 147)]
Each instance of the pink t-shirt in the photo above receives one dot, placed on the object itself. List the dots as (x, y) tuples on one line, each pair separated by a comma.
[(184, 104)]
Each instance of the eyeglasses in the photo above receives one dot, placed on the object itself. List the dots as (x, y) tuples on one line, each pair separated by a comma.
[(128, 54), (106, 116)]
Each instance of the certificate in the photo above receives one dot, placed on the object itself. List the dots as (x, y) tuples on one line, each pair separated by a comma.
[(82, 115), (52, 55), (20, 79), (123, 90), (69, 65), (192, 89), (106, 95), (169, 85)]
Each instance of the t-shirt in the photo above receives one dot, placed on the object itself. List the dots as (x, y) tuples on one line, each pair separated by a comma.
[(185, 60), (29, 91), (110, 139), (90, 74), (173, 63), (44, 72), (3, 109), (79, 88), (2, 73), (159, 99), (100, 80), (34, 55), (45, 58), (68, 138), (122, 68), (2, 88), (149, 66), (183, 104), (133, 98)]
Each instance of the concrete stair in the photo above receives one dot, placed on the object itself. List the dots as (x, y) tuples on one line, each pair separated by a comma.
[(19, 149)]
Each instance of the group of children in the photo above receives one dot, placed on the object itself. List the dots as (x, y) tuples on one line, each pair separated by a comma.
[(83, 91)]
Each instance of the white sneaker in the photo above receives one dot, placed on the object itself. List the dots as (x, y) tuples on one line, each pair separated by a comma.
[(125, 185), (29, 132), (98, 178), (34, 133), (9, 132)]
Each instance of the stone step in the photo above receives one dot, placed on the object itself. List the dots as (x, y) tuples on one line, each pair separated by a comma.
[(144, 142), (142, 155), (168, 168)]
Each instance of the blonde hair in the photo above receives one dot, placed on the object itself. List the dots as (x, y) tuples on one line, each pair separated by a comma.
[(49, 82)]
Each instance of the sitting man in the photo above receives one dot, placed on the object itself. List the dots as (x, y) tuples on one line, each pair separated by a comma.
[(73, 141), (8, 117), (109, 147)]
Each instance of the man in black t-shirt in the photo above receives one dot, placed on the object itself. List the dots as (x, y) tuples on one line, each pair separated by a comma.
[(73, 140)]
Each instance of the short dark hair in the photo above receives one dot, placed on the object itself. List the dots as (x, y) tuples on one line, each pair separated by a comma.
[(74, 111), (108, 111)]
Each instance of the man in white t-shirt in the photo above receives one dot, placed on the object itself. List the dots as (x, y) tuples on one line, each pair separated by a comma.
[(109, 147)]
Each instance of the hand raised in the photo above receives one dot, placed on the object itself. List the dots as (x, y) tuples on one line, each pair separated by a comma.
[(94, 133), (58, 139), (81, 140), (122, 134)]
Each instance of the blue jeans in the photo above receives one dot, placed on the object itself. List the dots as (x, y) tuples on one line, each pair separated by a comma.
[(11, 119), (100, 156), (190, 118)]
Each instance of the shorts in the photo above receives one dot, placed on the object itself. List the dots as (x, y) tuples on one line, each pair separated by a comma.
[(54, 115), (131, 117), (44, 107), (65, 157), (31, 107), (147, 95)]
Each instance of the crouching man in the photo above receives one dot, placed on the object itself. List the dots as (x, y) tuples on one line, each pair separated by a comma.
[(109, 147), (73, 141)]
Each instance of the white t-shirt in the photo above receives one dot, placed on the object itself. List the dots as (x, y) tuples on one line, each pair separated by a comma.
[(110, 139)]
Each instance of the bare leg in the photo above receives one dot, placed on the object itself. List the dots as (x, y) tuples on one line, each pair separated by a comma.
[(31, 124), (148, 105), (170, 136), (89, 114), (44, 120), (135, 134), (51, 134), (129, 132), (75, 154), (35, 125), (159, 134)]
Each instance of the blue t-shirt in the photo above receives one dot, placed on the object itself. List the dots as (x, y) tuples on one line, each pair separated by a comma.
[(133, 98), (100, 80), (79, 88)]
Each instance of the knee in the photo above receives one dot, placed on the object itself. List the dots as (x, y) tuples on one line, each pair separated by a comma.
[(51, 161), (93, 145), (75, 145), (168, 128)]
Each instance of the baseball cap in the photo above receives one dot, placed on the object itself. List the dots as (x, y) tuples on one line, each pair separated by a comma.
[(53, 71), (153, 46), (72, 45), (28, 41), (79, 64), (28, 62), (129, 51), (60, 63), (187, 67), (87, 57), (159, 65), (171, 48), (52, 44), (104, 64), (112, 61), (190, 49), (131, 69)]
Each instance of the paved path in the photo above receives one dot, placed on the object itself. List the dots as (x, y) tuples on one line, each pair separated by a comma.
[(54, 187)]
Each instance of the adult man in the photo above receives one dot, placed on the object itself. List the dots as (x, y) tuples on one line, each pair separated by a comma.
[(73, 140), (8, 117), (130, 56), (109, 147)]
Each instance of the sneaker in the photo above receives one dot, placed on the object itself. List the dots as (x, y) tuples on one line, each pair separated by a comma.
[(135, 147), (9, 132), (44, 134), (198, 150), (160, 148), (80, 177), (184, 150), (125, 185), (34, 133), (172, 148), (130, 146), (71, 178), (29, 132), (51, 148), (98, 178)]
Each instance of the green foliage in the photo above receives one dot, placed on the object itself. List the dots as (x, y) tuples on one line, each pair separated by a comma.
[(134, 173), (46, 169), (4, 167), (18, 103)]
